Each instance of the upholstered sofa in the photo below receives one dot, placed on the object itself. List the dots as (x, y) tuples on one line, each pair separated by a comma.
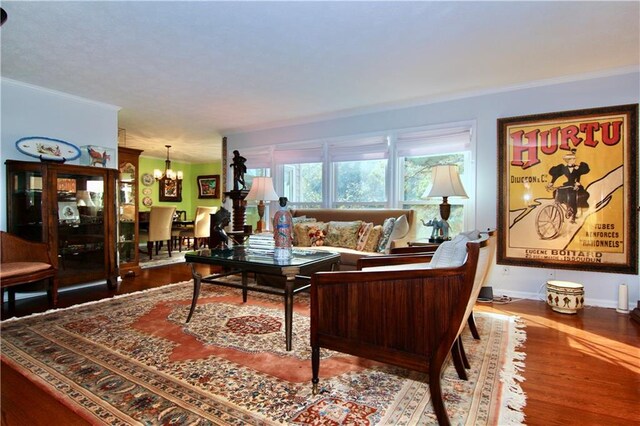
[(349, 256)]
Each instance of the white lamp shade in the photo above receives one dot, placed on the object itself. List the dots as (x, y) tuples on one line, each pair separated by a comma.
[(262, 190), (84, 199), (445, 182)]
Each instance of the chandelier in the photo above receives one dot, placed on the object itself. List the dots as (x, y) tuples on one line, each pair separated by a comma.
[(168, 172)]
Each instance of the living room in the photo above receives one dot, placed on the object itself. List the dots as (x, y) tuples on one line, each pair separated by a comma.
[(30, 107)]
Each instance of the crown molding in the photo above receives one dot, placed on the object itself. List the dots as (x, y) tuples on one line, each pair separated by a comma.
[(61, 94)]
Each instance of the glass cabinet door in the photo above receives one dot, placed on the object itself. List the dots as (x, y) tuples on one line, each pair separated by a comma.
[(25, 212), (127, 213), (81, 227)]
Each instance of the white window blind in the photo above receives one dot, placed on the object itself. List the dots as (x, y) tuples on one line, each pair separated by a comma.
[(428, 142), (257, 158), (367, 148), (293, 155)]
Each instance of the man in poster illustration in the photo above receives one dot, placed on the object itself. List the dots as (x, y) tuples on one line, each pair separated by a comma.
[(571, 193)]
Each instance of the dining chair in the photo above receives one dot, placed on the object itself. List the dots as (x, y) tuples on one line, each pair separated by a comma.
[(201, 226), (179, 217), (160, 223)]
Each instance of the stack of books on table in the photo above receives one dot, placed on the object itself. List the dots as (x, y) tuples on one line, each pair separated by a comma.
[(261, 243)]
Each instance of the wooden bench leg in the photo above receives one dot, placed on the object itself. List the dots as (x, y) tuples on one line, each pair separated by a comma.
[(52, 292)]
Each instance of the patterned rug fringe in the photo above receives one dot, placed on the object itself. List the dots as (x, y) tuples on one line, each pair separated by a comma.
[(511, 411), (95, 302)]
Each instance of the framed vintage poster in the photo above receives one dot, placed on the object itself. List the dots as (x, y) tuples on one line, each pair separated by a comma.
[(567, 190), (209, 186), (170, 189)]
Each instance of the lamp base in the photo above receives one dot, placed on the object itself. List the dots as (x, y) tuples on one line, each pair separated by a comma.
[(260, 226)]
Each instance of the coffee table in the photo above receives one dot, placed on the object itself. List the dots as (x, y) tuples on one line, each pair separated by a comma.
[(245, 260)]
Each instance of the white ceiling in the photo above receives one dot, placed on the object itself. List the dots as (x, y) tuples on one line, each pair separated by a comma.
[(185, 73)]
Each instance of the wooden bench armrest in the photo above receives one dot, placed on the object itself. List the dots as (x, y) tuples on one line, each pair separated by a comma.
[(393, 259)]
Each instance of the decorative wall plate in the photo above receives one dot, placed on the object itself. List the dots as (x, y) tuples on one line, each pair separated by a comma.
[(146, 191), (147, 179), (147, 202), (47, 149)]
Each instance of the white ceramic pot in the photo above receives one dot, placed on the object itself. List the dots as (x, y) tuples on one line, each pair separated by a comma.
[(565, 296)]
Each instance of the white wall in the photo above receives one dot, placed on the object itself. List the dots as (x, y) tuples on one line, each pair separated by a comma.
[(34, 111), (600, 289)]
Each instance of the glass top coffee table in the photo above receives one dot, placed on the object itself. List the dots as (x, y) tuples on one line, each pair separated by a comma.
[(244, 260)]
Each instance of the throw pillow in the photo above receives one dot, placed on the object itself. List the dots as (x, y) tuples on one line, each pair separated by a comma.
[(451, 254), (387, 228), (302, 231), (372, 242), (300, 219), (317, 236), (343, 234), (363, 235), (471, 235), (400, 229)]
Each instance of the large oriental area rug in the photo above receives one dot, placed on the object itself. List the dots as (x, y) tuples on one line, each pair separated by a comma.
[(133, 360)]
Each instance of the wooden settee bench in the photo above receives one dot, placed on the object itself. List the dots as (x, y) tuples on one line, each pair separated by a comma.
[(24, 262)]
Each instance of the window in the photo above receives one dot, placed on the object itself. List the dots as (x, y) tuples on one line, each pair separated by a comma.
[(360, 184), (385, 170), (359, 171), (417, 153), (417, 180), (302, 184), (299, 175)]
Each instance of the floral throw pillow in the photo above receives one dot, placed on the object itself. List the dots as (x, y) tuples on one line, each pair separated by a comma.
[(387, 228), (301, 232), (363, 235), (317, 236), (343, 234), (300, 219), (374, 236)]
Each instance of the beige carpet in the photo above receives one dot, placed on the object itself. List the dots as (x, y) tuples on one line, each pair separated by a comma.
[(133, 360)]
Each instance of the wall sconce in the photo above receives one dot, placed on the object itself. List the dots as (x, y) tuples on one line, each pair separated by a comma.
[(168, 172), (261, 190), (445, 183)]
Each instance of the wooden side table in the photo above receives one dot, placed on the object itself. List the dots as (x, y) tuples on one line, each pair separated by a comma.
[(423, 243), (417, 246)]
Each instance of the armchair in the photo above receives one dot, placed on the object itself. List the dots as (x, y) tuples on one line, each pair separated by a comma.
[(24, 262), (410, 318)]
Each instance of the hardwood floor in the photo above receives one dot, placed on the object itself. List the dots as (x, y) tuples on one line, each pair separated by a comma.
[(580, 369)]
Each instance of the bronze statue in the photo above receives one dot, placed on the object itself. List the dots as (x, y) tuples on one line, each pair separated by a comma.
[(239, 169), (218, 237)]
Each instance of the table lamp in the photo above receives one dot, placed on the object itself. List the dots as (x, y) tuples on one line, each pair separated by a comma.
[(445, 183), (261, 191)]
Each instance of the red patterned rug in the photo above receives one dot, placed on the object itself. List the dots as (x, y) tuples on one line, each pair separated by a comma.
[(133, 360)]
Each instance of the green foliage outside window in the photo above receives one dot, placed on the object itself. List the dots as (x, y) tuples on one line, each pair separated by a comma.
[(361, 181)]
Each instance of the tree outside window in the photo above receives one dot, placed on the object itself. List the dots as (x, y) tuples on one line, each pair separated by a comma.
[(360, 184)]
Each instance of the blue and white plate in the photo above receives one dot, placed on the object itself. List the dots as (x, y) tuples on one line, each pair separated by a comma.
[(48, 148)]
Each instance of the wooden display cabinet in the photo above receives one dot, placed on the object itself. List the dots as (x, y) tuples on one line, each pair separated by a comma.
[(73, 209), (128, 226)]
